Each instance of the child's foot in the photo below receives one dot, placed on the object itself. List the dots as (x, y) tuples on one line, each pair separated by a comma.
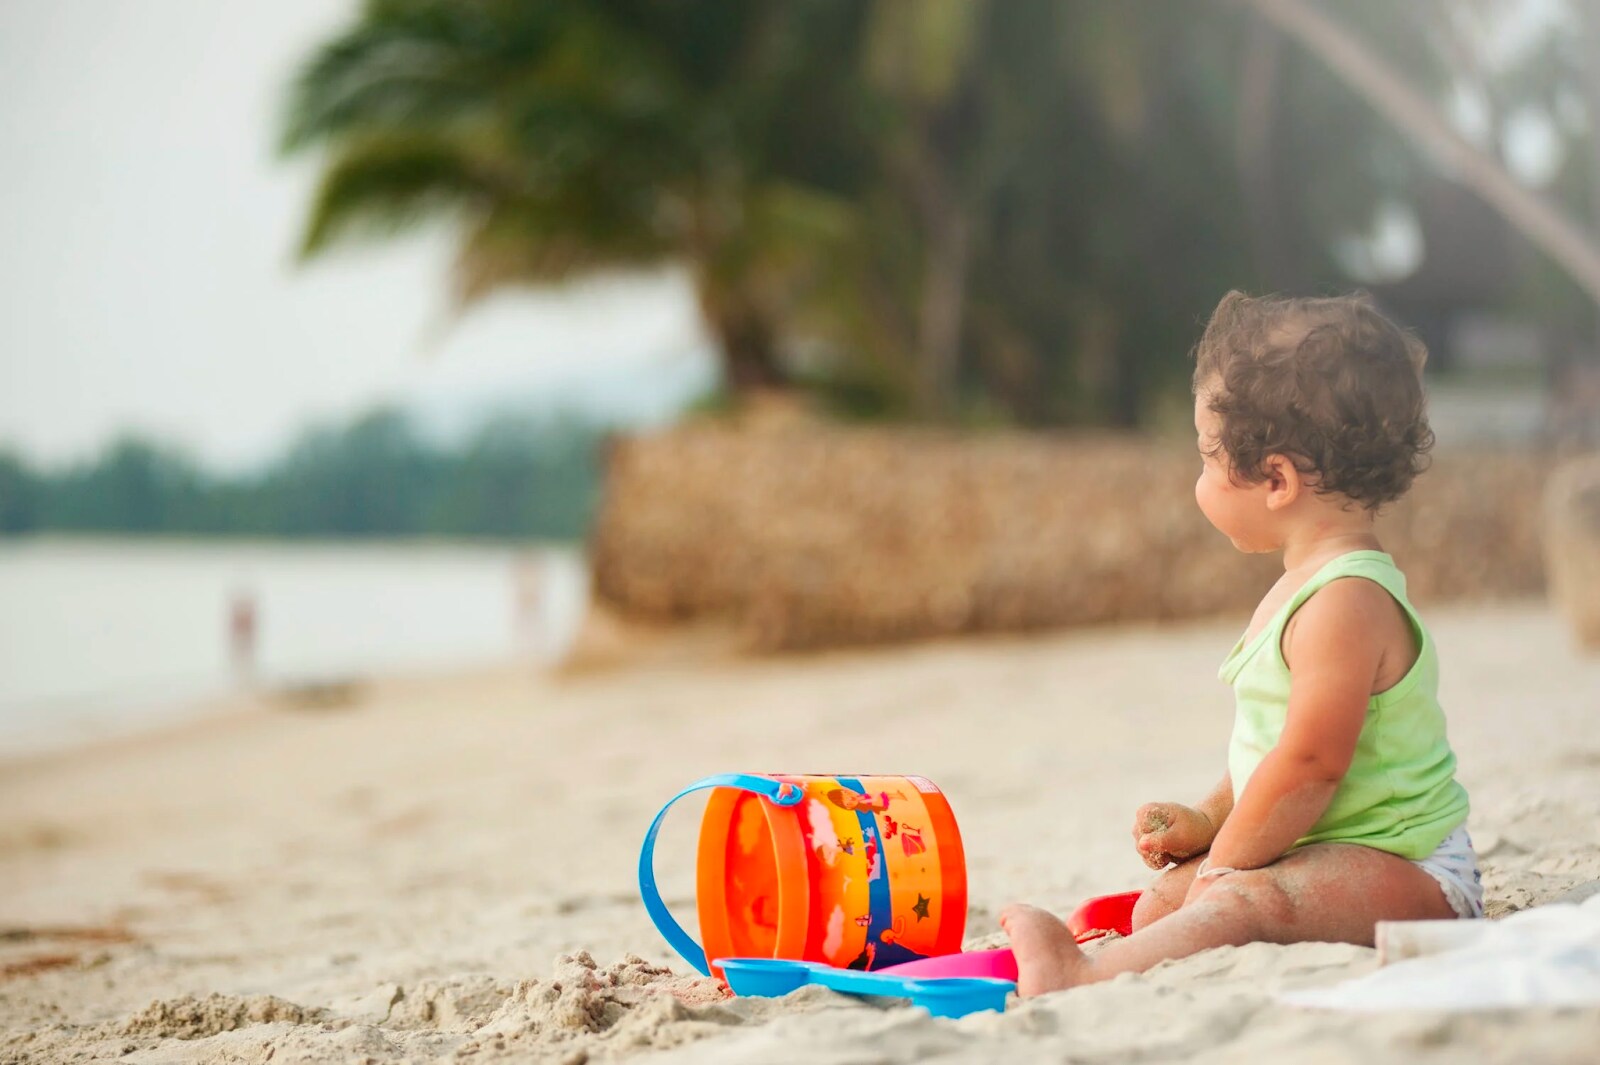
[(1048, 958)]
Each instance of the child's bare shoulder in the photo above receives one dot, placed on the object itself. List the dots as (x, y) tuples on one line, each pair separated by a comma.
[(1356, 617)]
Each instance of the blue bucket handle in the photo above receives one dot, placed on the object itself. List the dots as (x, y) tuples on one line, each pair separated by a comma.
[(777, 792)]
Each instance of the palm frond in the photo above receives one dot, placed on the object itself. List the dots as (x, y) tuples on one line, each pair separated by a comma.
[(414, 65), (381, 185), (529, 241)]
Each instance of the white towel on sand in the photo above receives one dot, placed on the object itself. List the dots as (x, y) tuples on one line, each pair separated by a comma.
[(1548, 956)]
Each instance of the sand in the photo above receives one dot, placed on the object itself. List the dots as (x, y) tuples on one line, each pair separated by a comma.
[(444, 869)]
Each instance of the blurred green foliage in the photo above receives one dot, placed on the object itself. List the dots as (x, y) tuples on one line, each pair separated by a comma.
[(517, 477), (949, 209)]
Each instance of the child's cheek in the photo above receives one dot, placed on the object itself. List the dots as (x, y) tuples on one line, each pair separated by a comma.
[(1202, 494), (1206, 498)]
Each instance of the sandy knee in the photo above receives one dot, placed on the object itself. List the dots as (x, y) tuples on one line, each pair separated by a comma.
[(1164, 896), (1254, 896), (1152, 906)]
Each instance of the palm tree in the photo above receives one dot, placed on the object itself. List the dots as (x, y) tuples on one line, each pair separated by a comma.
[(564, 138)]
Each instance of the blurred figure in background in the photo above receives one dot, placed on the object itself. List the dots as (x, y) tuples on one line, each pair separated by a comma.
[(551, 601), (243, 630)]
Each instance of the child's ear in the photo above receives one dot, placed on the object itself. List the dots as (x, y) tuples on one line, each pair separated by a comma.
[(1284, 482)]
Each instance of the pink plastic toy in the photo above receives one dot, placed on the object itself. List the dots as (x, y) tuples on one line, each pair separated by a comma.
[(1095, 918), (995, 964)]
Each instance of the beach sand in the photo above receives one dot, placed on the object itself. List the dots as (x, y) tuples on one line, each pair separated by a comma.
[(444, 869)]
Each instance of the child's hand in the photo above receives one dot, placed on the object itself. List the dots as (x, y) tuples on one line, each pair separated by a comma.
[(1166, 832)]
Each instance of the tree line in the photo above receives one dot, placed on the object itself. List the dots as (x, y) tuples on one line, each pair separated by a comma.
[(517, 477)]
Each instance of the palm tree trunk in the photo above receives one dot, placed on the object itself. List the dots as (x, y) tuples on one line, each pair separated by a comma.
[(1543, 223), (1260, 83), (745, 330), (944, 288), (748, 340), (1589, 18)]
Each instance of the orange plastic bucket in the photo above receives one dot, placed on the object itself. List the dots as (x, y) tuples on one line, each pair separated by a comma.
[(858, 872)]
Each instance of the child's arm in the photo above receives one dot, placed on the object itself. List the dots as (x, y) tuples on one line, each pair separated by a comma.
[(1218, 803), (1337, 651)]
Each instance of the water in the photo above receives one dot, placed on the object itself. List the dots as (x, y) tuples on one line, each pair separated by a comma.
[(99, 637)]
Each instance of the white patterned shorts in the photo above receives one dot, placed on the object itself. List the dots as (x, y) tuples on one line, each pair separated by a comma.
[(1454, 864)]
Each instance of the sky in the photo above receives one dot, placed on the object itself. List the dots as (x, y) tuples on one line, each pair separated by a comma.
[(148, 281)]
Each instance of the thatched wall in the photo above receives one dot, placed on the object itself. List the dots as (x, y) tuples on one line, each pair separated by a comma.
[(818, 536)]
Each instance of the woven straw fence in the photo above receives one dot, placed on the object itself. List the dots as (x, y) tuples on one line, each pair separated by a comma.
[(823, 536)]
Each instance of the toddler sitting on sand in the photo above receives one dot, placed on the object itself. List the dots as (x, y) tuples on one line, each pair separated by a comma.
[(1340, 806)]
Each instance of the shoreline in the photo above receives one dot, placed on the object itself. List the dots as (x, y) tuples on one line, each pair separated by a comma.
[(175, 721)]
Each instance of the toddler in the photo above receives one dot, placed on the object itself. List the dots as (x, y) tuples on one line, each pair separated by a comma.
[(1340, 806)]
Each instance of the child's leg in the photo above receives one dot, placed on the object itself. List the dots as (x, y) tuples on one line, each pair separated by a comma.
[(1165, 893), (1329, 892)]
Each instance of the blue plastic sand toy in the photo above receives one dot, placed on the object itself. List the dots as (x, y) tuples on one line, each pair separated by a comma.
[(948, 996)]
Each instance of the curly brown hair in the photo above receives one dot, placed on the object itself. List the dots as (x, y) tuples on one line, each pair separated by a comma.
[(1328, 382)]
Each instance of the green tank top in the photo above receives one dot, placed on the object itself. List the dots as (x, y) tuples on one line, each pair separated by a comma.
[(1400, 794)]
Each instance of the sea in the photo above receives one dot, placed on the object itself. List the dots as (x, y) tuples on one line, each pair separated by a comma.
[(104, 637)]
